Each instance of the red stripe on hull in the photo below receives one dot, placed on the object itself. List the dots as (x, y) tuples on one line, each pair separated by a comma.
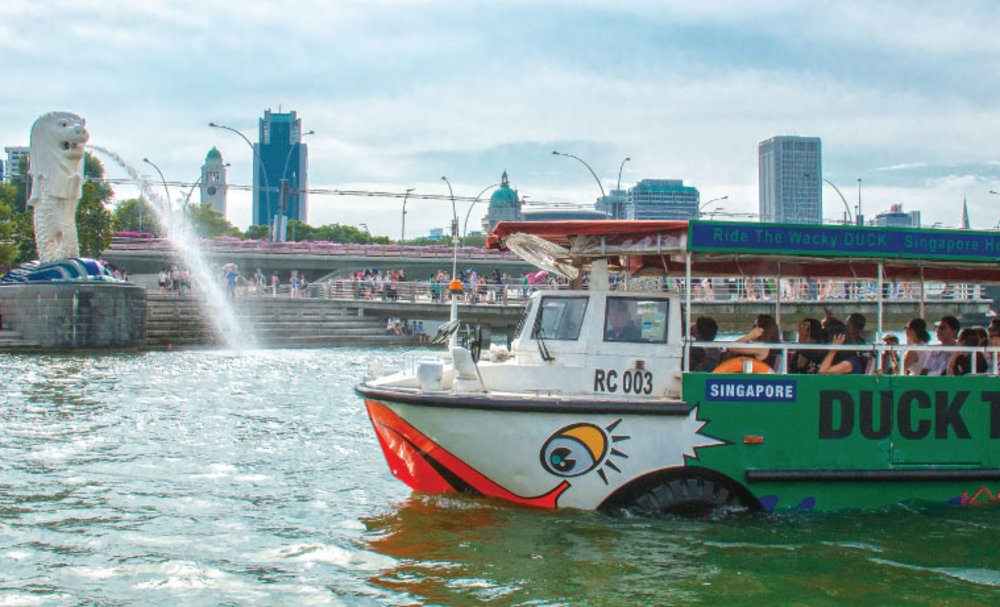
[(412, 457)]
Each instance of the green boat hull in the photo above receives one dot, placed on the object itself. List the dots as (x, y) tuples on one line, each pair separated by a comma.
[(843, 442)]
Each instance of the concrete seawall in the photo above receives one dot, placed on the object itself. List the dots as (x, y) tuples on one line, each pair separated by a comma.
[(72, 315)]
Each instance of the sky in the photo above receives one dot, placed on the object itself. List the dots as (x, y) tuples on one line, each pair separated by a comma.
[(903, 94)]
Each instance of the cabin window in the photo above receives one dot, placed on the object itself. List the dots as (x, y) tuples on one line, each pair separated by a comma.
[(560, 318), (636, 320)]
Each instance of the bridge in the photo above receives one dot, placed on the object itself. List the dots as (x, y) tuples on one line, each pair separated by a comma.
[(316, 260)]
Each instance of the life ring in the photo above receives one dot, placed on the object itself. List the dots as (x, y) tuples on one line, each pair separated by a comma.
[(735, 365)]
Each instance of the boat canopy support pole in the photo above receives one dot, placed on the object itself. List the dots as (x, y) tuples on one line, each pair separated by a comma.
[(879, 328), (777, 297), (599, 274), (687, 312)]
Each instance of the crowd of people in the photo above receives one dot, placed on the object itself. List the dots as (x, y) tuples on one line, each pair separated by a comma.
[(402, 327), (917, 359), (494, 287)]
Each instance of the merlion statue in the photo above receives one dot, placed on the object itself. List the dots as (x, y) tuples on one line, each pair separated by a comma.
[(56, 157)]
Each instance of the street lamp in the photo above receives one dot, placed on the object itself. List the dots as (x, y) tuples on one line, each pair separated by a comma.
[(702, 207), (280, 221), (465, 226), (260, 163), (453, 317), (620, 167), (580, 160), (847, 207), (402, 229), (858, 217), (150, 163)]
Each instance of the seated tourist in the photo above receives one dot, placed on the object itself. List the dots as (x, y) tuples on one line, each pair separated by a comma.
[(765, 330), (705, 359), (947, 332), (915, 362), (890, 358), (839, 362), (807, 361), (961, 362), (855, 335)]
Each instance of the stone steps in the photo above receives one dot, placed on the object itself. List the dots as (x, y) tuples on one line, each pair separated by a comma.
[(12, 340), (173, 321)]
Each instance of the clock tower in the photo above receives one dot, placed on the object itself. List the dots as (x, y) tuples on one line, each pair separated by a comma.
[(213, 182)]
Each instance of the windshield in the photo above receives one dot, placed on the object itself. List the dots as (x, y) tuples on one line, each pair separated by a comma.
[(560, 318)]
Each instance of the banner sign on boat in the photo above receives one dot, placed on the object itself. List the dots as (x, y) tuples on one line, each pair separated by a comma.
[(843, 241), (750, 390)]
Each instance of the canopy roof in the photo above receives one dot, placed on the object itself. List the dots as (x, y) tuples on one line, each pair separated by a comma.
[(761, 249)]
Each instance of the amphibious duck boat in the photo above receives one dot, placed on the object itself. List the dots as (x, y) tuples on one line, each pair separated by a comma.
[(594, 405)]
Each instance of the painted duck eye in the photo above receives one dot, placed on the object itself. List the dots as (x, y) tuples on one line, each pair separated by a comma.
[(574, 451)]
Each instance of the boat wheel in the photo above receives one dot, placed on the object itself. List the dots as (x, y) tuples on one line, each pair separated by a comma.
[(693, 496), (687, 494)]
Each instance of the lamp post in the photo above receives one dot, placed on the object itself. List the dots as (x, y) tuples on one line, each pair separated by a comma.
[(402, 229), (847, 207), (465, 225), (281, 222), (580, 160), (702, 207), (152, 164), (260, 163), (453, 317), (858, 217), (620, 167), (616, 206)]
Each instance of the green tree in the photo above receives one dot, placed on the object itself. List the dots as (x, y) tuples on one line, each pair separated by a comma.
[(8, 226), (137, 215), (21, 186), (209, 223), (257, 232), (95, 224)]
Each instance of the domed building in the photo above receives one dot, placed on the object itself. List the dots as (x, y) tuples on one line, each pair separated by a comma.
[(213, 181), (505, 204)]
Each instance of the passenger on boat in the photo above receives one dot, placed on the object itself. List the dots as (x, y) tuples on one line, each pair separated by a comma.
[(840, 362), (947, 331), (855, 328), (765, 330), (808, 361), (705, 359), (890, 358), (620, 323), (994, 332), (961, 362), (915, 362)]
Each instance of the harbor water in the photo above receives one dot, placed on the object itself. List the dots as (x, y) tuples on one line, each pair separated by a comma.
[(212, 478)]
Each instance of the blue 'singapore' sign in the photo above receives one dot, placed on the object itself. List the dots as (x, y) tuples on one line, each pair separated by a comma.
[(844, 241), (750, 390)]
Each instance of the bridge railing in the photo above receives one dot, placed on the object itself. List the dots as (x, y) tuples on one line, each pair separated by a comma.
[(733, 290)]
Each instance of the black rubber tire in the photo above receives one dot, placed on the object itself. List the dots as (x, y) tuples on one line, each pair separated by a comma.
[(691, 497)]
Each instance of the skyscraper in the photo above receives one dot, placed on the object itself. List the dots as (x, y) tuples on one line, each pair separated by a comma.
[(662, 199), (13, 165), (281, 190), (790, 179), (213, 182)]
